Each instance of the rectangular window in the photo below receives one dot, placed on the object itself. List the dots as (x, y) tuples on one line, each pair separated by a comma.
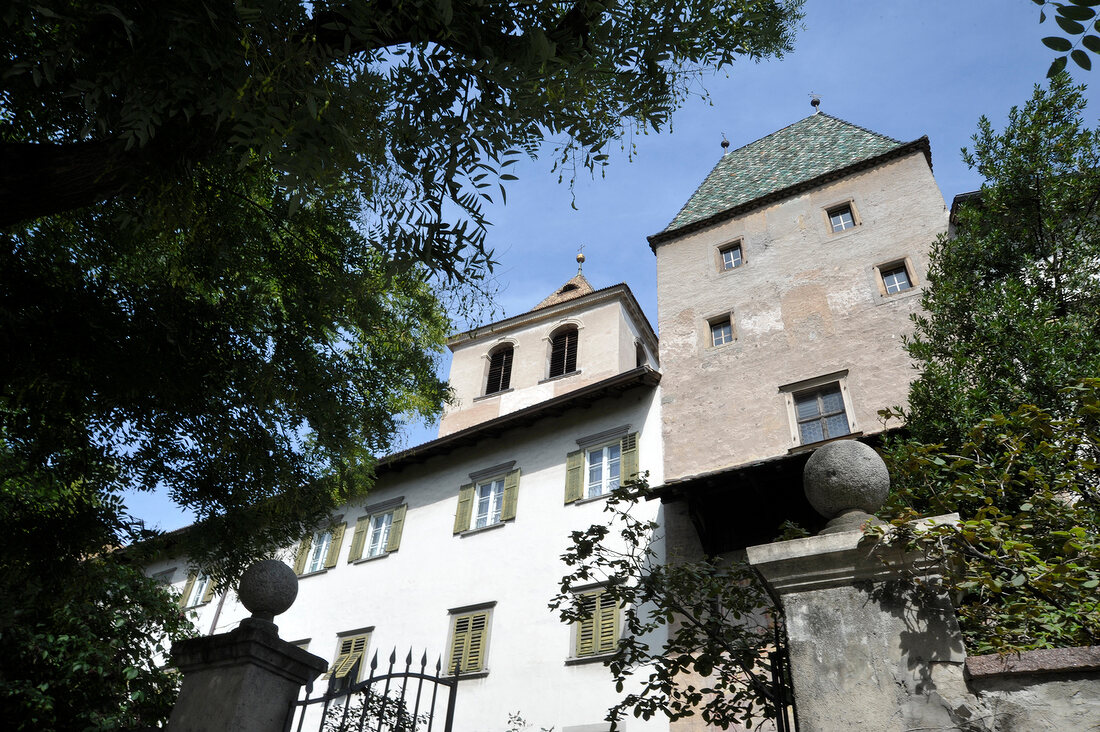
[(487, 502), (840, 218), (895, 278), (563, 352), (603, 469), (598, 633), (731, 256), (379, 532), (319, 551), (198, 590), (721, 331), (347, 668), (490, 499), (469, 641), (820, 414), (500, 370), (600, 466)]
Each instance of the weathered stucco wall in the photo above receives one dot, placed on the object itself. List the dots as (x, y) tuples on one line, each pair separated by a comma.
[(806, 302), (605, 347)]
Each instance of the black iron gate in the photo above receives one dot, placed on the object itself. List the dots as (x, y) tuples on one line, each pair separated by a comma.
[(394, 701)]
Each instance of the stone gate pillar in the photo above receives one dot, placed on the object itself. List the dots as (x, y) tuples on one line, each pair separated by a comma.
[(245, 680), (865, 651)]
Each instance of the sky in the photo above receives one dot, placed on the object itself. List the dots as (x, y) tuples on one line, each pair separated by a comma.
[(902, 68)]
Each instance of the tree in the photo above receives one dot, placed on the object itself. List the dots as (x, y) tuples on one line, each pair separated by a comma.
[(1002, 419), (225, 229), (716, 660)]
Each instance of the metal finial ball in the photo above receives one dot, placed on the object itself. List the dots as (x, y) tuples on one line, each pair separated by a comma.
[(815, 102), (725, 144), (268, 588), (580, 258)]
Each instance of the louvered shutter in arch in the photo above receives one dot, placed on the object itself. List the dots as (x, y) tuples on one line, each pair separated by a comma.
[(335, 545), (511, 495), (563, 352), (465, 507), (359, 538), (628, 457), (574, 476), (500, 370), (303, 554), (397, 524)]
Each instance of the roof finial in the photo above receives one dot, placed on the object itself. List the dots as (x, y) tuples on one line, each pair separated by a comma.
[(815, 102), (725, 144), (580, 258)]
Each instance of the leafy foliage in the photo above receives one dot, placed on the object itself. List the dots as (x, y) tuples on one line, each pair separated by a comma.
[(716, 614), (1079, 29), (1003, 419), (1025, 557)]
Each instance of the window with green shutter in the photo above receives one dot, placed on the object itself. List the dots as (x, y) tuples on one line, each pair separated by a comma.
[(377, 534), (598, 633), (469, 641), (599, 469), (320, 550), (351, 654), (487, 502)]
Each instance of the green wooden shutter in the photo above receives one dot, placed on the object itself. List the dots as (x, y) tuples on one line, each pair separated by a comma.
[(465, 508), (628, 458), (586, 629), (460, 638), (358, 538), (351, 650), (574, 476), (607, 624), (335, 545), (393, 543), (211, 588), (511, 495), (468, 643), (187, 587), (303, 554)]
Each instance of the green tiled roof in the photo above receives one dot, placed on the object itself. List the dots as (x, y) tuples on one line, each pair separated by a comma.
[(800, 152)]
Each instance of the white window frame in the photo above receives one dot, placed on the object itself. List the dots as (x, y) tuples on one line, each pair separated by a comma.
[(788, 391), (493, 498), (718, 322), (606, 461), (318, 551), (378, 534), (883, 269), (734, 263), (840, 209), (198, 589)]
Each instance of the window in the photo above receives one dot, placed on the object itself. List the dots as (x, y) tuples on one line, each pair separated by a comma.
[(198, 590), (319, 551), (721, 331), (820, 414), (347, 668), (730, 256), (895, 278), (469, 640), (500, 370), (563, 352), (600, 468), (598, 633), (487, 501), (841, 218), (378, 532)]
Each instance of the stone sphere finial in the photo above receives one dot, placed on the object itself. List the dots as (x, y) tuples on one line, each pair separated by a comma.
[(268, 588), (845, 482)]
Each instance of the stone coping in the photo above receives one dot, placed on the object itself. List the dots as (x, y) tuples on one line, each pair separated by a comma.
[(1043, 661)]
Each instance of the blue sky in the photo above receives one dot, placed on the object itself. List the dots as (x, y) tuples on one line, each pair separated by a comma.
[(903, 68)]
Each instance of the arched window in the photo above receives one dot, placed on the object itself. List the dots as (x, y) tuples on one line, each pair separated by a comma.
[(500, 369), (563, 351)]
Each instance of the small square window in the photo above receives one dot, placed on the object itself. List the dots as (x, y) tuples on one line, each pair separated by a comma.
[(895, 278), (840, 218), (721, 331), (731, 256)]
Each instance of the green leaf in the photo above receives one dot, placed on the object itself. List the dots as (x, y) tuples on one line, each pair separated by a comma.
[(1057, 66), (1076, 13), (1081, 59), (1069, 26)]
